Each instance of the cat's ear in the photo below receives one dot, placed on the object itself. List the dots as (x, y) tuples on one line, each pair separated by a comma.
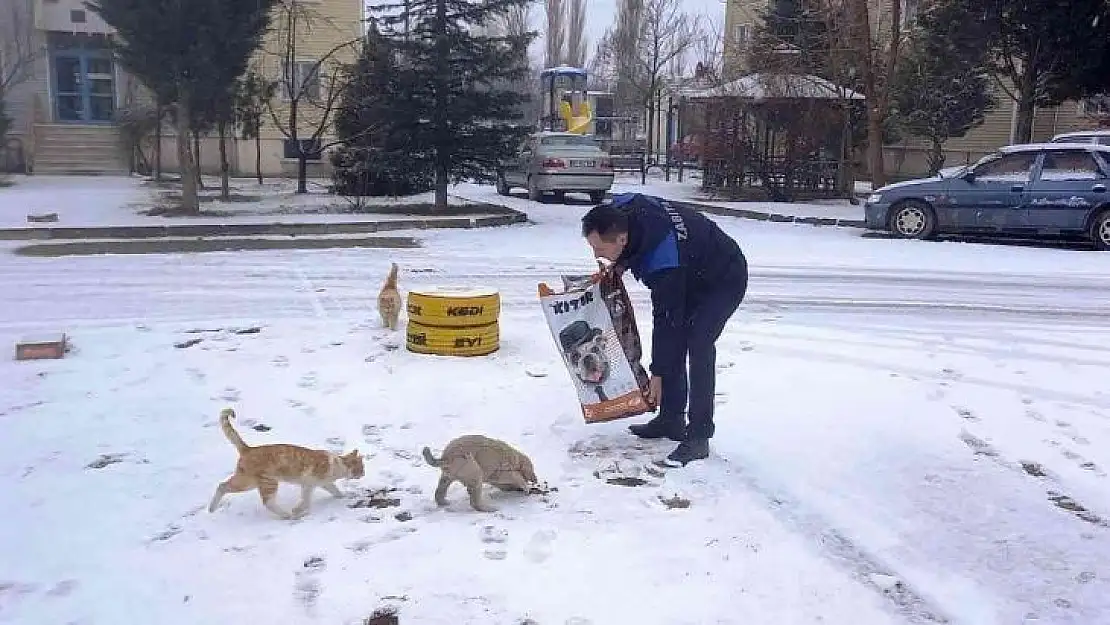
[(354, 454)]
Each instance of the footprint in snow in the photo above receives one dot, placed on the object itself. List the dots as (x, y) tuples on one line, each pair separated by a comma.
[(977, 445), (966, 414)]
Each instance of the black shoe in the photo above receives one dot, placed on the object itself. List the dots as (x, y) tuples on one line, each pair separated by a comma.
[(660, 427), (688, 451)]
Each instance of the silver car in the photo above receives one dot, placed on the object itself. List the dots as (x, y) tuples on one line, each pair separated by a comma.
[(1101, 137), (558, 163)]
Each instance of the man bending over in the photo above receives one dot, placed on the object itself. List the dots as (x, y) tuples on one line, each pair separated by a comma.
[(697, 275)]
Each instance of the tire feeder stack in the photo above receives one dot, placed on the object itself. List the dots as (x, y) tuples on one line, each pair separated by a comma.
[(453, 321)]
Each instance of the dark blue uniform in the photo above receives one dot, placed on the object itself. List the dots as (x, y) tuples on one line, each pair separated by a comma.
[(697, 275)]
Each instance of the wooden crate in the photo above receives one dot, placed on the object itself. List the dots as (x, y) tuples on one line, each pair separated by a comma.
[(41, 348)]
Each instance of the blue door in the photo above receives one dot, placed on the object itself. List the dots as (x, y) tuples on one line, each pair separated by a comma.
[(84, 86), (1070, 184), (993, 196)]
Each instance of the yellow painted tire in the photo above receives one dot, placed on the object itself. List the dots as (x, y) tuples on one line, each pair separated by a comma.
[(471, 341), (447, 307)]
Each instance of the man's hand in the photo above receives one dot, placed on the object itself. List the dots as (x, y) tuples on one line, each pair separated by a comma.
[(655, 391), (606, 268)]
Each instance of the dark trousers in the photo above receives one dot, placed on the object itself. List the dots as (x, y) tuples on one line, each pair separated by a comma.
[(707, 321)]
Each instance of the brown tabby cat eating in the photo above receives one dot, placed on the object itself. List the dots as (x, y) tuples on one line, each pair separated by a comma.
[(265, 466)]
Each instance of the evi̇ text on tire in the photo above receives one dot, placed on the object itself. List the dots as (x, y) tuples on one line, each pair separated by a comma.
[(469, 341)]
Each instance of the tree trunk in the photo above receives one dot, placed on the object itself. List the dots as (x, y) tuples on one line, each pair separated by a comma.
[(936, 155), (1026, 107), (258, 157), (875, 163), (441, 82), (441, 188), (158, 146), (225, 168), (190, 202), (196, 159), (302, 172)]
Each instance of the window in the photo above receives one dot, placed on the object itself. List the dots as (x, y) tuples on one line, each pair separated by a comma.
[(311, 147), (304, 77), (1007, 168), (77, 16), (742, 33), (1064, 165)]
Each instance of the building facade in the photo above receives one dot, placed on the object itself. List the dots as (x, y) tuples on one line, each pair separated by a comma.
[(66, 106)]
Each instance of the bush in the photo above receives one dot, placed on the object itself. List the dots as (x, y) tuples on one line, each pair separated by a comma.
[(365, 171)]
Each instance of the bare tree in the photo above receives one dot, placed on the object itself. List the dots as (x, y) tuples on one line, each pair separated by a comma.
[(600, 64), (556, 35), (18, 52), (708, 51), (876, 41), (308, 92), (624, 48), (517, 20), (667, 33), (576, 35)]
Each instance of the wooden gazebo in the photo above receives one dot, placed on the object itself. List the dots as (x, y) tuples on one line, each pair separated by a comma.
[(782, 137)]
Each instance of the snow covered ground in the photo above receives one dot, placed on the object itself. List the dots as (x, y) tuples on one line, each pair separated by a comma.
[(121, 201), (908, 432)]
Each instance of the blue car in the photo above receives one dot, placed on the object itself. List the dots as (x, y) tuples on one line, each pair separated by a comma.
[(1032, 189)]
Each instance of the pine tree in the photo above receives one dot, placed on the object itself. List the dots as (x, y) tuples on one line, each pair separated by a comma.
[(1042, 51), (375, 157), (186, 52), (457, 85), (941, 88)]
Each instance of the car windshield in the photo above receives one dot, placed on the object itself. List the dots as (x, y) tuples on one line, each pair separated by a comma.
[(569, 141)]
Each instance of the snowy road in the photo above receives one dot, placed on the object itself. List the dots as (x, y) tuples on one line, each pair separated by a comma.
[(908, 433)]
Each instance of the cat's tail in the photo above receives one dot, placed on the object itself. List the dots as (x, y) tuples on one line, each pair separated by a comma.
[(226, 415), (430, 459), (391, 279)]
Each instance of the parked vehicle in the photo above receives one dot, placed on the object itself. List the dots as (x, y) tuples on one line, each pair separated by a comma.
[(559, 163), (1032, 189), (1084, 136)]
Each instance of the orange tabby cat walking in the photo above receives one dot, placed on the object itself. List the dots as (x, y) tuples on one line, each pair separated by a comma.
[(389, 300), (265, 466)]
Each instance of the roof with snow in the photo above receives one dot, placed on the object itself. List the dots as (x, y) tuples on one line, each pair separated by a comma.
[(778, 87), (564, 69)]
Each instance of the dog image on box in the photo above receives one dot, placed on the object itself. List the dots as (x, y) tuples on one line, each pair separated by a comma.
[(585, 347)]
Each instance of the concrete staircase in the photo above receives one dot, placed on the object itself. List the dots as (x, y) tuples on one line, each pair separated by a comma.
[(75, 149)]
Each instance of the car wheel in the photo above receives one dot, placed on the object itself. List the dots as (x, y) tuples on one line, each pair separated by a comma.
[(502, 186), (597, 197), (1100, 230), (912, 220), (534, 192)]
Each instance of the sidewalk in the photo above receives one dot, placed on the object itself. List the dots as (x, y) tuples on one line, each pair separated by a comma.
[(817, 212), (118, 208)]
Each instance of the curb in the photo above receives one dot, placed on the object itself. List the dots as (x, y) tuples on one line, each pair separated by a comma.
[(196, 246), (506, 217), (744, 213)]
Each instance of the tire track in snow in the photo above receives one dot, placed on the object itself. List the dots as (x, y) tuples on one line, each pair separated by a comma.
[(867, 569)]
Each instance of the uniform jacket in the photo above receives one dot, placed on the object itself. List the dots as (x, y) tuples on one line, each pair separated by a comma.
[(682, 257)]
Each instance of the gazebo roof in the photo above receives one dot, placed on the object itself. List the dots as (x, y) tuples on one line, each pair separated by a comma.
[(777, 87)]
